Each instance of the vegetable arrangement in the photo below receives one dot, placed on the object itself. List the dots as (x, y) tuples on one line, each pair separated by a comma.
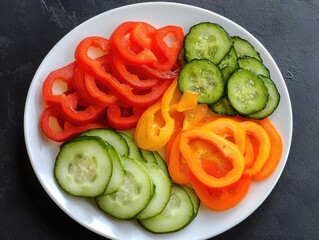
[(139, 82)]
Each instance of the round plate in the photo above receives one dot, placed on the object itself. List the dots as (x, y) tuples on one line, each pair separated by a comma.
[(42, 152)]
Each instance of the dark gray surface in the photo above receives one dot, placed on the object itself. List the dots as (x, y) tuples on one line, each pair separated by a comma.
[(289, 29)]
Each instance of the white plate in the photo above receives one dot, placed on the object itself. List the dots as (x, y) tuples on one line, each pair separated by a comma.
[(42, 152)]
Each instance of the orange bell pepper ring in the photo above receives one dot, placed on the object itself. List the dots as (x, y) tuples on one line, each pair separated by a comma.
[(224, 198), (275, 151), (228, 129), (177, 165), (258, 133), (227, 148)]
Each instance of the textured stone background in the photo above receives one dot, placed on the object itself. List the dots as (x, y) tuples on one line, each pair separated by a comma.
[(289, 29)]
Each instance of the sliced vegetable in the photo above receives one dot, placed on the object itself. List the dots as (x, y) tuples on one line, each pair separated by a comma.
[(222, 198), (161, 195), (177, 214), (229, 64), (223, 107), (247, 92), (83, 167), (166, 45), (112, 138), (273, 100), (64, 74), (263, 146), (123, 46), (133, 195), (244, 48), (203, 77), (275, 151), (207, 40), (228, 149), (56, 128), (253, 64)]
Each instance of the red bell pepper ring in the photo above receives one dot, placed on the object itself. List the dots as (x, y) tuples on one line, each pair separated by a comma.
[(122, 45), (103, 96), (65, 74), (162, 74), (167, 52), (65, 131), (121, 71), (81, 53), (70, 112), (123, 118), (80, 88), (141, 35)]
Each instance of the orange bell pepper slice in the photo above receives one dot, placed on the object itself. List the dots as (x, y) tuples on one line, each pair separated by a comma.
[(223, 198), (230, 151), (177, 165), (249, 154), (258, 133), (229, 129), (275, 151)]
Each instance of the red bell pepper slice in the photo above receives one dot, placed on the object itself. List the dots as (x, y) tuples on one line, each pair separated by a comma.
[(65, 130), (161, 74), (121, 70), (80, 88), (122, 45), (73, 113), (166, 51), (141, 35), (65, 74), (123, 118)]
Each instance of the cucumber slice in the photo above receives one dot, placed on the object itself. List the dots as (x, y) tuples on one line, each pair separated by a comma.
[(133, 195), (161, 163), (207, 40), (229, 64), (203, 77), (134, 151), (194, 198), (148, 156), (161, 195), (111, 137), (247, 92), (273, 101), (83, 167), (244, 48), (118, 172), (177, 214), (254, 65), (223, 107)]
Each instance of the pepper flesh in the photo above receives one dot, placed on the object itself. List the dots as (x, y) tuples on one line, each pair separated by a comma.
[(228, 149)]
